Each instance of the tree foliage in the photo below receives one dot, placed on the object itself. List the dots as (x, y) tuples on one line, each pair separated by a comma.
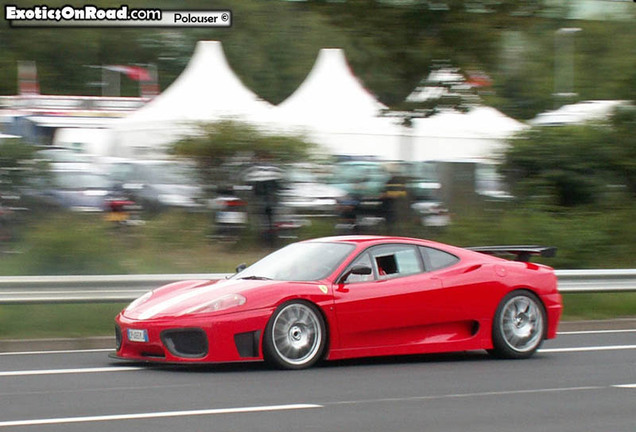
[(220, 144), (574, 165), (18, 164), (390, 46), (623, 147)]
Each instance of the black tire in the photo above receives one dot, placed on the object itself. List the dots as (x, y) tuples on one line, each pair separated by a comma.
[(295, 336), (519, 326)]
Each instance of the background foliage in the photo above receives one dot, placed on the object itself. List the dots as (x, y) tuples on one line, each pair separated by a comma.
[(575, 165), (218, 145)]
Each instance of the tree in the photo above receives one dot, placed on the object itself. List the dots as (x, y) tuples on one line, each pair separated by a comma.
[(623, 146), (573, 165), (18, 164), (217, 145), (231, 153)]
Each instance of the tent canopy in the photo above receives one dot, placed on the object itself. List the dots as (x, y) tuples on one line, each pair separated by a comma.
[(207, 90), (331, 108), (477, 134), (577, 113), (330, 95)]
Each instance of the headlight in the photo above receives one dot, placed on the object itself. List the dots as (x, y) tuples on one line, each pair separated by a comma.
[(139, 301), (219, 304)]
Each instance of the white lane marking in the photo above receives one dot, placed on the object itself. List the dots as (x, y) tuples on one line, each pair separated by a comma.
[(586, 349), (628, 386), (150, 415), (586, 332), (468, 395), (69, 371), (18, 353)]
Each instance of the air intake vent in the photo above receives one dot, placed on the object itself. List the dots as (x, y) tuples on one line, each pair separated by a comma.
[(117, 337), (188, 343)]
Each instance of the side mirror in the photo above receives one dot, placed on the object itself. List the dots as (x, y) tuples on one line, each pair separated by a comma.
[(359, 269), (241, 267)]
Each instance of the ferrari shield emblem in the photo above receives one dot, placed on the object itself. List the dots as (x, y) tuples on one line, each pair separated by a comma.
[(323, 288)]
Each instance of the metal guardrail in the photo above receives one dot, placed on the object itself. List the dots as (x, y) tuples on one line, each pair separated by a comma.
[(61, 289), (123, 288), (580, 281)]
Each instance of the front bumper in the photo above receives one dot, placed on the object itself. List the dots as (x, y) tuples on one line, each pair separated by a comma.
[(223, 339)]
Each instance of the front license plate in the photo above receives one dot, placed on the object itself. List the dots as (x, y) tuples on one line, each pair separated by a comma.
[(135, 335)]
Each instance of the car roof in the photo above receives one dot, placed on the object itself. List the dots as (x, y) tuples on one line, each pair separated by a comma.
[(367, 239), (371, 240)]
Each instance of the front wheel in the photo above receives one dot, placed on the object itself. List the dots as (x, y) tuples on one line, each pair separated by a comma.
[(519, 326), (295, 336)]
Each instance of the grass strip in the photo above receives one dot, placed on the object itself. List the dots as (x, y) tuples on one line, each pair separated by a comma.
[(35, 321)]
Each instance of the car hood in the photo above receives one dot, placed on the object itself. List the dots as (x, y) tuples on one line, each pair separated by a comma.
[(178, 298)]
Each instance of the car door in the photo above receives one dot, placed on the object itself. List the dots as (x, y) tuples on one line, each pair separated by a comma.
[(389, 306)]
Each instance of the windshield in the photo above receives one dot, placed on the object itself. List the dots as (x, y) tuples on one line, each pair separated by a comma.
[(299, 262), (296, 175), (171, 174), (81, 180), (155, 173)]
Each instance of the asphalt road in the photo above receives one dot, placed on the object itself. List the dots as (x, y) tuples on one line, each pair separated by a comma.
[(585, 380)]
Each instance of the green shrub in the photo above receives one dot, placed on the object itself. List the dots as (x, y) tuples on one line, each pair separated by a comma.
[(68, 243), (585, 239)]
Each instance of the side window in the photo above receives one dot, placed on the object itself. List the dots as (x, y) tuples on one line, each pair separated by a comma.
[(396, 260), (436, 259), (363, 259)]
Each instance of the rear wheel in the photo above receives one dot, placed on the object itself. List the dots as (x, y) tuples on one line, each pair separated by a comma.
[(519, 326), (295, 336)]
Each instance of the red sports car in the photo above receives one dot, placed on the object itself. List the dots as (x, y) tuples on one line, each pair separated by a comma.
[(344, 297)]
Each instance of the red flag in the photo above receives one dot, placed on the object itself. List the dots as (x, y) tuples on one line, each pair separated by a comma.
[(135, 73), (478, 79)]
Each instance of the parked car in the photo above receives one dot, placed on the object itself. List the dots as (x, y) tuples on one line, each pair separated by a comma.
[(424, 189), (72, 189), (363, 178), (158, 184), (306, 195)]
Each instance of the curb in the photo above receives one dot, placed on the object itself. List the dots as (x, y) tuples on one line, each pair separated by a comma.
[(58, 344)]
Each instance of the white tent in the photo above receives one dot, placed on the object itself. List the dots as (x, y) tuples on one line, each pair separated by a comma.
[(332, 108), (452, 135), (577, 113), (207, 90), (478, 134)]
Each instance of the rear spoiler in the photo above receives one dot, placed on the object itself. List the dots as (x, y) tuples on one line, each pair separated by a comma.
[(522, 253)]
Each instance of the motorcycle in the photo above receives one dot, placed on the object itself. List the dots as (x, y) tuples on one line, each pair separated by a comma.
[(230, 217), (122, 211)]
